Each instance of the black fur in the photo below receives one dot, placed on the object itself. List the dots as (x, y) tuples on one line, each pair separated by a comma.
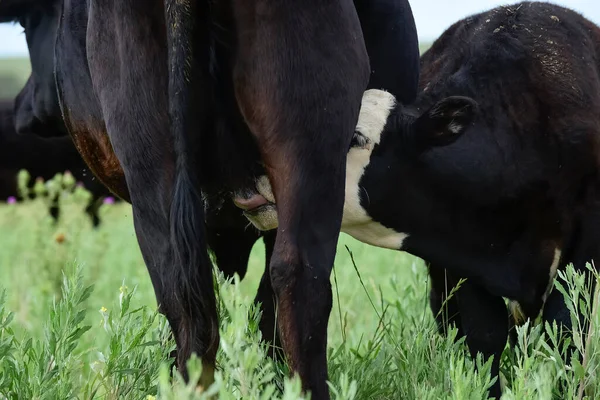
[(491, 202)]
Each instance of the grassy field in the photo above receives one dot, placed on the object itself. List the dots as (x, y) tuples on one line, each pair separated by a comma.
[(17, 66), (78, 321), (85, 327), (13, 74)]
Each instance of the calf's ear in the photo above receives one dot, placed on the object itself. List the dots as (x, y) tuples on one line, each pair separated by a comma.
[(445, 121)]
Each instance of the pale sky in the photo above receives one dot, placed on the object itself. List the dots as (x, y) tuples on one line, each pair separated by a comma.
[(432, 18)]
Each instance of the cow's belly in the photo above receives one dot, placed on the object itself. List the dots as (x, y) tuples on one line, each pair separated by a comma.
[(97, 152), (85, 125)]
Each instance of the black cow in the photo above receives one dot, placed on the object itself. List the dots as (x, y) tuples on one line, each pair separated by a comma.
[(43, 158), (36, 106), (251, 85), (492, 174)]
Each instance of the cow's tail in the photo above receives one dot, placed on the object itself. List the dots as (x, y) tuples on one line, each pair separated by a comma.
[(193, 282)]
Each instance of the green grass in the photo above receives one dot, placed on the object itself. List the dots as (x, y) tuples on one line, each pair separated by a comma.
[(14, 72), (423, 47), (17, 66), (78, 321)]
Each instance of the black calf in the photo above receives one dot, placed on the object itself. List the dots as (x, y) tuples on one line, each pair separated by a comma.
[(492, 174)]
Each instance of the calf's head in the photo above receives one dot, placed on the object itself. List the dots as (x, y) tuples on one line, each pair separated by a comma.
[(36, 107), (408, 134)]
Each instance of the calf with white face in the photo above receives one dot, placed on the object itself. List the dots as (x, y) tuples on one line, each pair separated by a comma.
[(400, 196), (380, 116)]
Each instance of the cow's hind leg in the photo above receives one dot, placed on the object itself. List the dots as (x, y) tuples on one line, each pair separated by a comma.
[(300, 270), (266, 297), (301, 103), (484, 321), (231, 241), (168, 210), (184, 290), (308, 184)]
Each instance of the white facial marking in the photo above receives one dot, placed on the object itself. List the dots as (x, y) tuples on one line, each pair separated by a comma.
[(375, 110)]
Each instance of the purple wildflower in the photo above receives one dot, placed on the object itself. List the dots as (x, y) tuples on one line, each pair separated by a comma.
[(109, 200), (80, 184), (11, 200)]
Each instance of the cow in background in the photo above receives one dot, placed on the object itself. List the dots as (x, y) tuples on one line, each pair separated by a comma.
[(43, 158)]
